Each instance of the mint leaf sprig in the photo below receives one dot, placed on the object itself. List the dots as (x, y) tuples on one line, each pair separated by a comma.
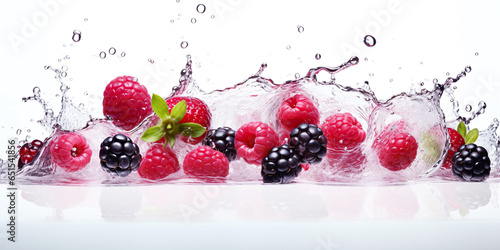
[(170, 126), (469, 137)]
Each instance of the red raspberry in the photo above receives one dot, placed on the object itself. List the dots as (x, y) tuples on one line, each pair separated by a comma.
[(396, 150), (254, 141), (29, 152), (197, 112), (70, 152), (456, 140), (342, 131), (205, 161), (296, 110), (127, 102), (158, 163)]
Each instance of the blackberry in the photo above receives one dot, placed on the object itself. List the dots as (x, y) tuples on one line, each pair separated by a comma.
[(282, 165), (471, 163), (28, 153), (309, 143), (222, 139), (119, 155)]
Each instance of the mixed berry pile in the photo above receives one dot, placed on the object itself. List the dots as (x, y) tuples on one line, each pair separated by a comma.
[(301, 140)]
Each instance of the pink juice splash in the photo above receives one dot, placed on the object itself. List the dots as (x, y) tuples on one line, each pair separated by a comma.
[(258, 99)]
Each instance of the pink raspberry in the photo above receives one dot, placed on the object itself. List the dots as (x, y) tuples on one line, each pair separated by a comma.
[(254, 141), (127, 102), (158, 163), (70, 152), (343, 131), (205, 161), (396, 150), (456, 140), (296, 110)]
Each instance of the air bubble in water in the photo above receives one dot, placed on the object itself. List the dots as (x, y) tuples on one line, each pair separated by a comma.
[(18, 132), (300, 29), (317, 56), (201, 8), (112, 51), (193, 20), (102, 55), (184, 44), (468, 108), (77, 36), (369, 41)]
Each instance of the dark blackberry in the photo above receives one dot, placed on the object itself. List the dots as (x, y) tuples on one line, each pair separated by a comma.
[(28, 153), (222, 139), (309, 143), (119, 155), (471, 163), (282, 165)]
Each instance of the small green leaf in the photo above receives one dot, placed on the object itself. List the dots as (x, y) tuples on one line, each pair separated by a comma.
[(153, 134), (179, 111), (191, 129), (461, 129), (159, 106), (472, 136)]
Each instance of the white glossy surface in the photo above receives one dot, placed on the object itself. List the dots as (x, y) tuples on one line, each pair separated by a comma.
[(294, 216)]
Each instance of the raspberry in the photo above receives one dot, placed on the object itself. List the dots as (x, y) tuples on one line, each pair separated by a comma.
[(206, 162), (309, 143), (28, 153), (119, 155), (396, 150), (197, 112), (471, 163), (158, 163), (127, 102), (222, 139), (456, 140), (343, 132), (254, 140), (70, 151), (296, 110), (282, 165)]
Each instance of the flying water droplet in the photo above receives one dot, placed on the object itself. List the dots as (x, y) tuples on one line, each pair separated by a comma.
[(184, 44), (288, 47), (212, 16), (64, 68), (172, 20), (435, 81), (123, 54), (18, 132), (369, 41), (468, 69), (476, 54), (468, 108), (112, 51), (300, 29), (371, 74), (77, 36), (151, 60), (297, 76), (85, 19), (317, 56), (193, 20), (102, 55), (201, 8)]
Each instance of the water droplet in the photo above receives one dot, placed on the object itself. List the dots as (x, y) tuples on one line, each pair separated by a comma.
[(193, 20), (288, 47), (81, 105), (77, 36), (112, 51), (366, 59), (421, 84), (297, 76), (468, 69), (64, 74), (67, 57), (151, 60), (476, 54), (180, 14), (435, 81), (46, 67), (64, 45), (454, 87), (59, 60), (18, 132), (468, 108), (123, 54), (369, 41), (371, 74), (447, 73), (85, 19), (184, 44), (421, 63), (317, 56), (390, 80), (172, 20), (64, 68), (178, 1), (212, 16), (102, 55), (300, 29), (135, 79), (201, 8)]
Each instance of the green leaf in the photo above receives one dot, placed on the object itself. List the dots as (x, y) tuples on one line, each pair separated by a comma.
[(179, 111), (153, 134), (472, 136), (461, 129), (191, 129), (159, 106)]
